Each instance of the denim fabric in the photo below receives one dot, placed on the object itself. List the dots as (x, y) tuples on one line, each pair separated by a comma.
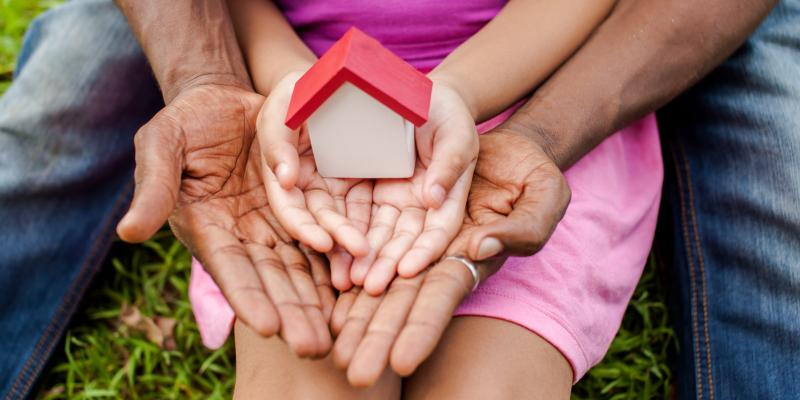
[(734, 188), (82, 88)]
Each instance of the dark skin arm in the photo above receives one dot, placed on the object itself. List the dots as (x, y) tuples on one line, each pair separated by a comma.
[(187, 42), (644, 55)]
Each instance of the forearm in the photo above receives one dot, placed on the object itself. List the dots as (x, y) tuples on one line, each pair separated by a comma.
[(644, 54), (269, 43), (186, 42), (518, 50)]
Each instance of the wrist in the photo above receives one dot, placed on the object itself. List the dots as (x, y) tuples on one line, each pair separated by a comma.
[(565, 127), (293, 70), (545, 138), (171, 90), (441, 78)]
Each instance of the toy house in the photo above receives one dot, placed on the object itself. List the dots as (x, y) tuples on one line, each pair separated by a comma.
[(360, 103)]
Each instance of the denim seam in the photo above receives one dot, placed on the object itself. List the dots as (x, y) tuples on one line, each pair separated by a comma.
[(70, 301), (701, 264), (692, 272)]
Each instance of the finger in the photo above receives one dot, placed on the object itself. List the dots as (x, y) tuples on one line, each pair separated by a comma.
[(358, 203), (380, 231), (159, 159), (342, 307), (278, 142), (372, 354), (340, 261), (320, 273), (296, 329), (357, 206), (299, 271), (354, 327), (443, 289), (455, 148), (441, 226), (289, 208), (323, 208), (530, 224), (408, 228), (229, 264)]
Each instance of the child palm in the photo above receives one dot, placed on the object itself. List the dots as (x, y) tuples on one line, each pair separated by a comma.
[(405, 235), (328, 214)]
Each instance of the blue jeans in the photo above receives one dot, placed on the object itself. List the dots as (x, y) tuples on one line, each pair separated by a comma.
[(733, 185), (83, 88)]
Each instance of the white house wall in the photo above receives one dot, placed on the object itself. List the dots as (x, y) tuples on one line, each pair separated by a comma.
[(355, 136)]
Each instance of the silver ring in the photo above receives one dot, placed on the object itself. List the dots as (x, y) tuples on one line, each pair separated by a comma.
[(476, 277)]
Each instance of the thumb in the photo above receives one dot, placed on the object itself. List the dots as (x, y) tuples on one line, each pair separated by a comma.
[(159, 160), (452, 154), (527, 228), (279, 142)]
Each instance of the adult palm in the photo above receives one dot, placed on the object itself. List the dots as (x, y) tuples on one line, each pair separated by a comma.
[(197, 165), (518, 195)]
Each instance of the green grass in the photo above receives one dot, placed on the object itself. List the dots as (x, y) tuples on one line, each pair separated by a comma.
[(103, 358)]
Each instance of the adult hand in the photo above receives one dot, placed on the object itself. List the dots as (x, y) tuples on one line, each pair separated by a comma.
[(198, 165), (518, 196)]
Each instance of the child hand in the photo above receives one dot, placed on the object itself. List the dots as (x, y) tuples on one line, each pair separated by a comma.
[(413, 221), (319, 212)]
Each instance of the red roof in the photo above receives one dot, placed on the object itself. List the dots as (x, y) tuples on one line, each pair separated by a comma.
[(361, 60)]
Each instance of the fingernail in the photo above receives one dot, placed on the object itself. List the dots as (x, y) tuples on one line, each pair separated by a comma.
[(438, 194), (281, 171), (489, 247)]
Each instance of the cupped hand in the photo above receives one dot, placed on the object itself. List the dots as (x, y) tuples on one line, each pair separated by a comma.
[(414, 219), (328, 214), (518, 195), (404, 235), (198, 165)]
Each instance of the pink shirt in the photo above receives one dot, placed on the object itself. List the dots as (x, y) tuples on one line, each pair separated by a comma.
[(422, 32), (573, 293)]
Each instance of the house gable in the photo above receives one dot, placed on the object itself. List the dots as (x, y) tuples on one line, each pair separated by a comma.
[(362, 61)]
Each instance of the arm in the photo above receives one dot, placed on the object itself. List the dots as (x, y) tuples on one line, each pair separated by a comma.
[(518, 50), (187, 43), (270, 45), (621, 73)]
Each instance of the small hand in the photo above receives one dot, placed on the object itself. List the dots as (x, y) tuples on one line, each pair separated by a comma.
[(197, 164), (517, 197), (328, 214), (415, 219), (404, 234)]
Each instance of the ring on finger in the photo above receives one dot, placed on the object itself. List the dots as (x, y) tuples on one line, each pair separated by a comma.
[(473, 269)]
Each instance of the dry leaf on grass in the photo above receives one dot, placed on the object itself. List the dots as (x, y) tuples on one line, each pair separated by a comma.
[(157, 330)]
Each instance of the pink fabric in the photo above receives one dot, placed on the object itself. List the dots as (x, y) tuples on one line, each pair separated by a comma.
[(213, 314), (422, 32), (573, 293)]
